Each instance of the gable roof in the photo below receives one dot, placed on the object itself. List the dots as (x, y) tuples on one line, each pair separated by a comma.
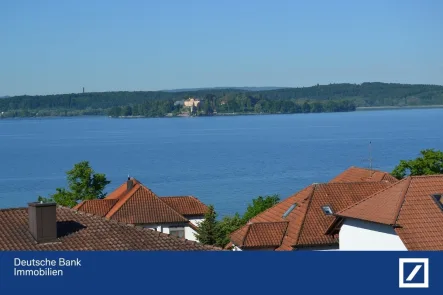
[(306, 222), (357, 174), (141, 205), (96, 207), (261, 235), (80, 231), (408, 206), (186, 205), (137, 204)]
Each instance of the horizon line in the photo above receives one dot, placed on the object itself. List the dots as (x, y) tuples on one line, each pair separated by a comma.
[(220, 88)]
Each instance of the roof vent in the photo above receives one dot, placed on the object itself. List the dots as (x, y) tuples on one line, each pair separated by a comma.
[(327, 210), (43, 221), (438, 198), (289, 210)]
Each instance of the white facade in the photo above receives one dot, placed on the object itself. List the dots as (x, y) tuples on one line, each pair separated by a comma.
[(196, 221), (361, 235), (166, 229)]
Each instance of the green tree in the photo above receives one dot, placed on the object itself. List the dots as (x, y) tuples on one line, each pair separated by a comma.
[(83, 183), (259, 205), (127, 111), (208, 230), (430, 162), (306, 107), (227, 226)]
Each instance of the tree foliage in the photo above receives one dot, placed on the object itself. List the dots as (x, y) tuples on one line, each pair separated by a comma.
[(207, 231), (83, 183), (226, 226), (430, 162), (315, 99), (259, 205), (216, 232)]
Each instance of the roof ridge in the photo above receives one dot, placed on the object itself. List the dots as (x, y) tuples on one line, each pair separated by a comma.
[(246, 235), (310, 197), (13, 209), (121, 201), (284, 234), (403, 198), (264, 222), (120, 223), (369, 197), (184, 196), (425, 176), (171, 207), (350, 182)]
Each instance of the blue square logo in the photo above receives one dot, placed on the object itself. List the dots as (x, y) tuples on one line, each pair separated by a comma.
[(414, 273)]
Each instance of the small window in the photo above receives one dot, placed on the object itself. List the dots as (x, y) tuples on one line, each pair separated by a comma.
[(327, 210), (289, 210), (438, 198), (178, 232)]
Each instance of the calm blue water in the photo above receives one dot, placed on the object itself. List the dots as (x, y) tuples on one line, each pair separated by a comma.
[(225, 161)]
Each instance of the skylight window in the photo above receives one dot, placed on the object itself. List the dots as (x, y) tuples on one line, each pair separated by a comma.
[(438, 198), (327, 210), (289, 210)]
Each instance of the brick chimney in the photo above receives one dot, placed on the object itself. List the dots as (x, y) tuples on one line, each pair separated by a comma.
[(129, 184), (43, 221)]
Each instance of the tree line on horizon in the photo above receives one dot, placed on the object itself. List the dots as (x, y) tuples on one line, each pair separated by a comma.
[(320, 98)]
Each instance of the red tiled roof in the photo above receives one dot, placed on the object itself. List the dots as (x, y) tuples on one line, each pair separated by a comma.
[(261, 235), (307, 222), (186, 205), (356, 174), (140, 205), (408, 206), (78, 231), (381, 207), (96, 207)]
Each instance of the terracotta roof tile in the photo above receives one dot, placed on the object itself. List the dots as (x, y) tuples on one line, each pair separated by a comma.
[(137, 204), (338, 196), (356, 174), (381, 207), (142, 206), (96, 207), (419, 218), (307, 222), (186, 205), (80, 231), (266, 234)]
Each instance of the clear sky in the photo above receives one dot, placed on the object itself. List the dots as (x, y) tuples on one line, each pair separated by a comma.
[(49, 47)]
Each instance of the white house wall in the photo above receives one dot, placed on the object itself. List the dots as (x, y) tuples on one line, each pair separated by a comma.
[(196, 221), (190, 234), (164, 228), (368, 236)]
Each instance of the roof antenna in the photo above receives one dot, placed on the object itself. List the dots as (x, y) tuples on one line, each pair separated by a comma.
[(370, 156)]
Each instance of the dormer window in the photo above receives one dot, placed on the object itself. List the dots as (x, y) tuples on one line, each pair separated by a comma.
[(438, 198), (327, 210)]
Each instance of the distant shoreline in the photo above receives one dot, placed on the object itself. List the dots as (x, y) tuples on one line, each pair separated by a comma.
[(379, 108), (398, 107)]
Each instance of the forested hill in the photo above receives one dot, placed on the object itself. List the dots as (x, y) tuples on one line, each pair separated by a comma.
[(237, 100)]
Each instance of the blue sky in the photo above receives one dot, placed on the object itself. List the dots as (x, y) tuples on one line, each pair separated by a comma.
[(49, 47)]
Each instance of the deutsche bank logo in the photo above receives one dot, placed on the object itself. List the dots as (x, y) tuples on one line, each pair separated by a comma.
[(414, 273)]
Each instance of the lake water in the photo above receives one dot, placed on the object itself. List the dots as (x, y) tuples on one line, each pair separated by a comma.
[(225, 161)]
